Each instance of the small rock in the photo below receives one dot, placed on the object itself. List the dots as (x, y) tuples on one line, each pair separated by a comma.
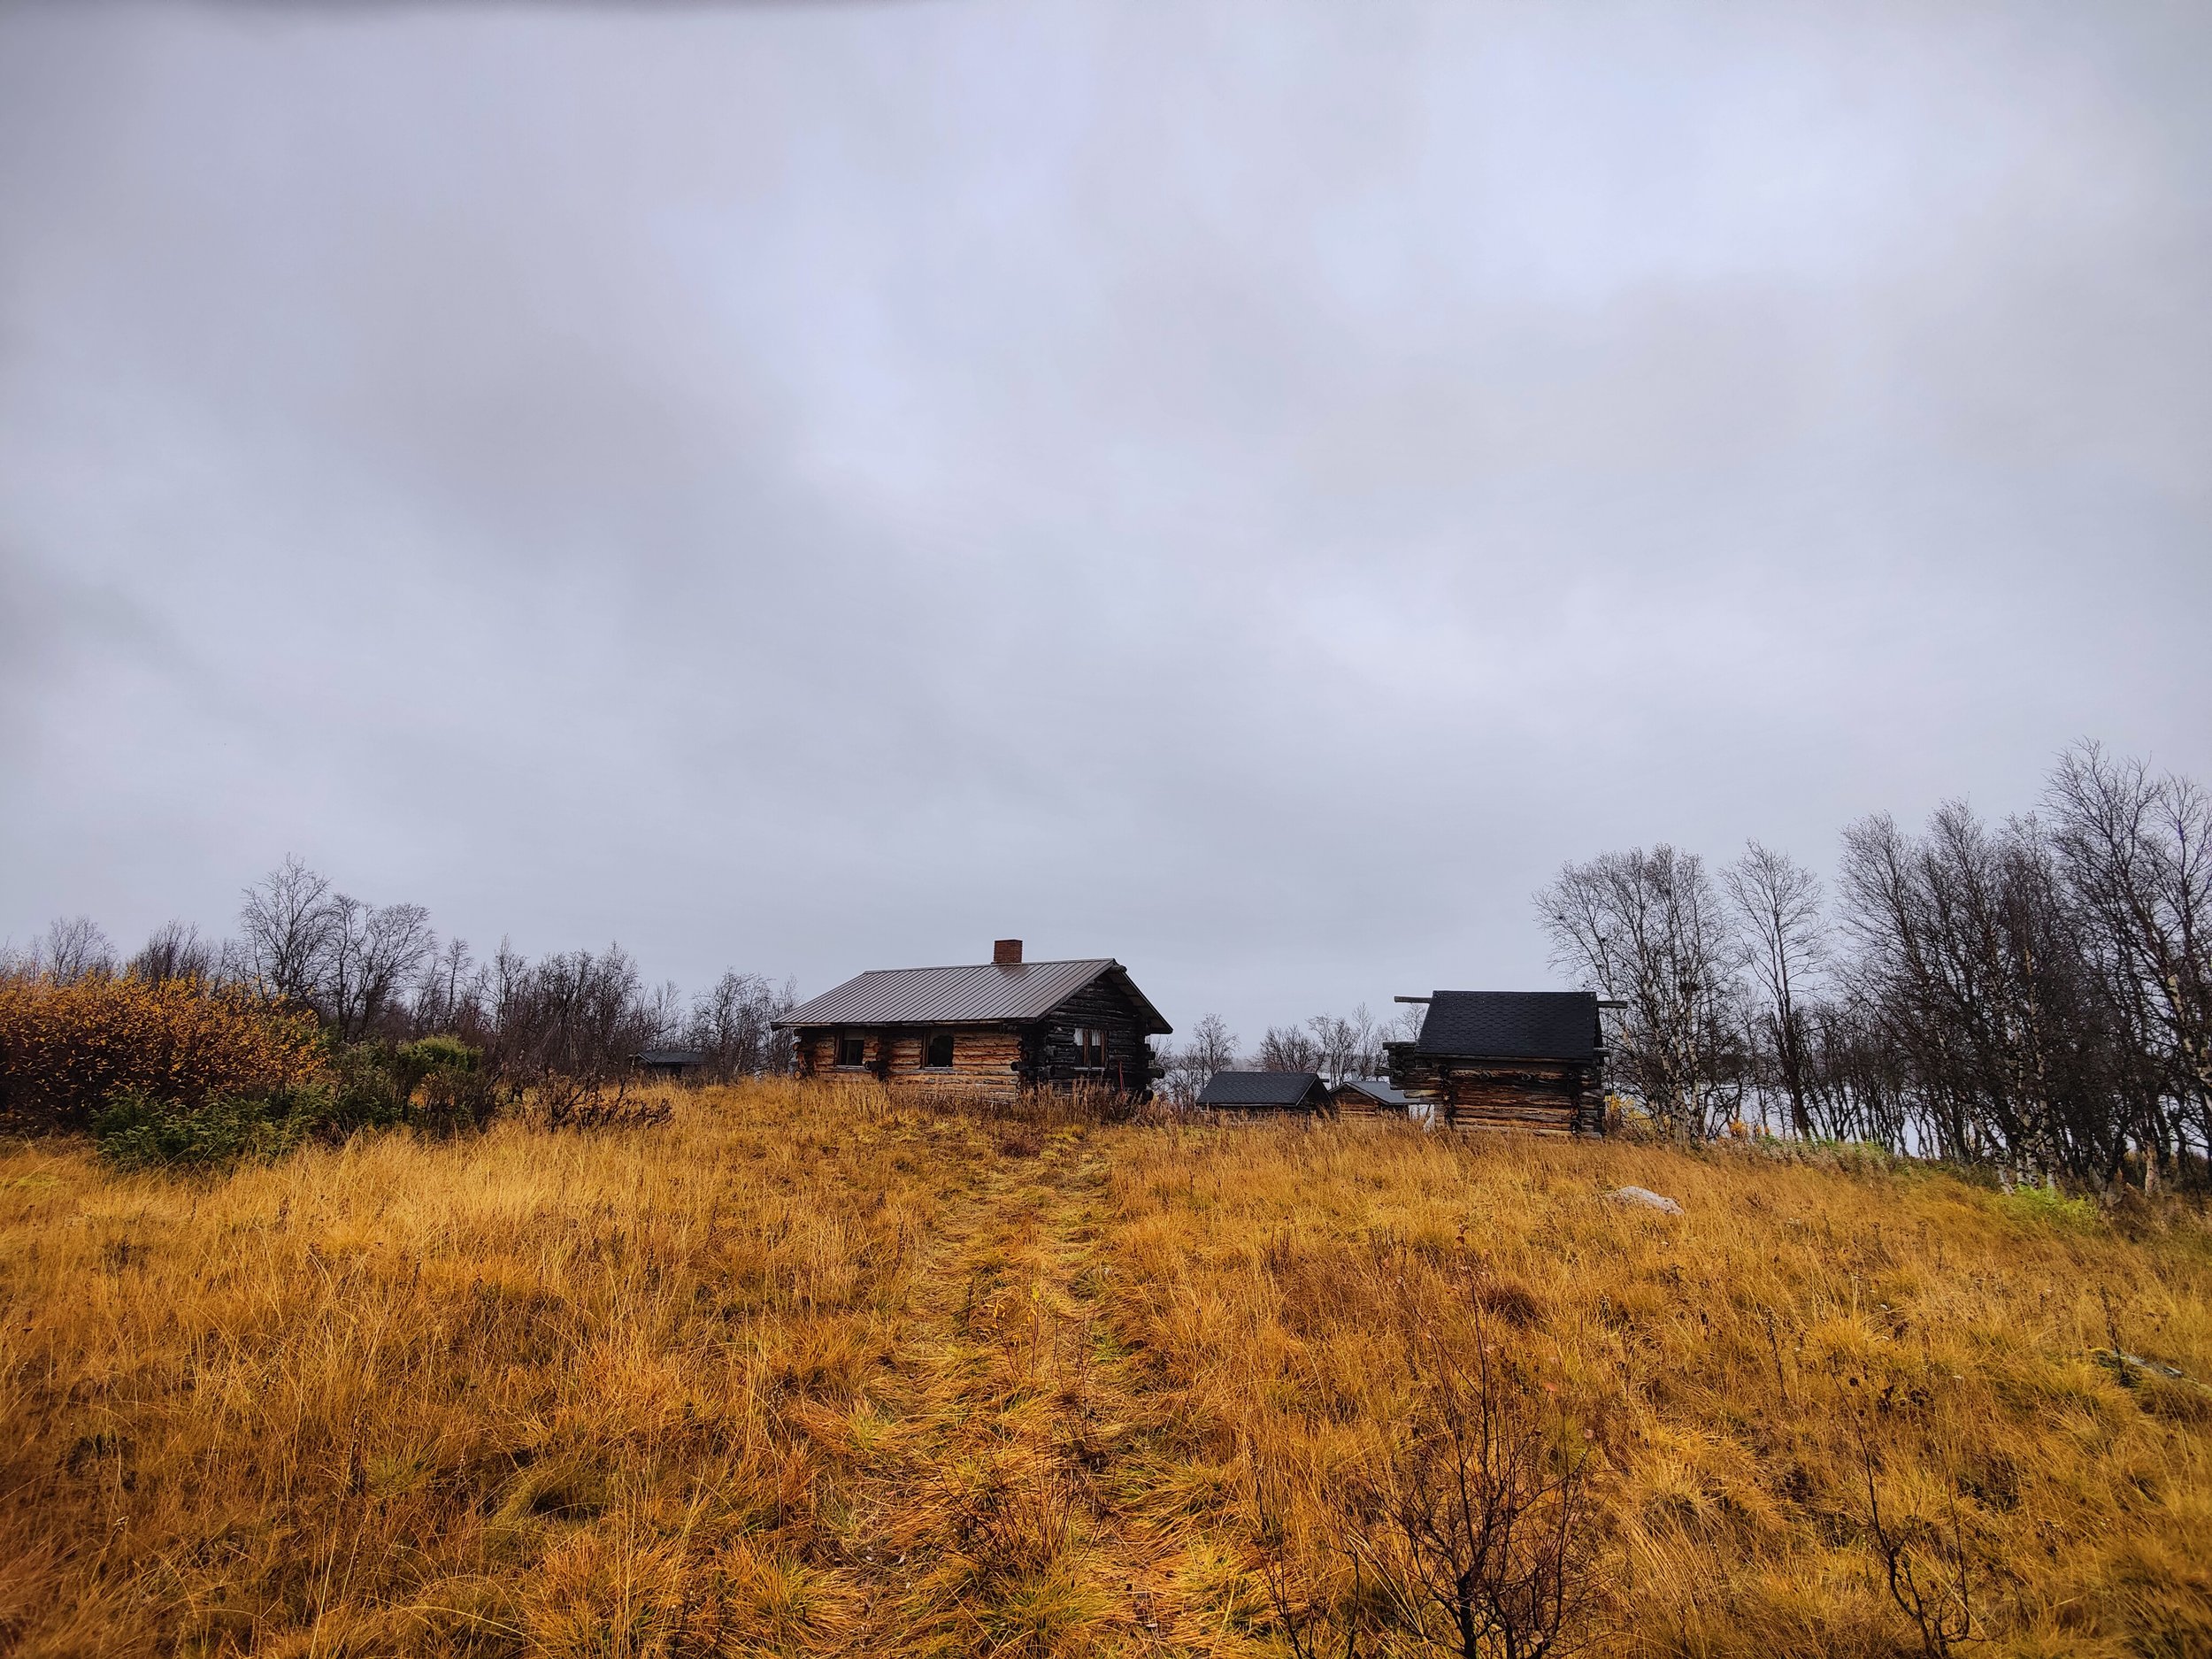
[(1644, 1198), (2124, 1362)]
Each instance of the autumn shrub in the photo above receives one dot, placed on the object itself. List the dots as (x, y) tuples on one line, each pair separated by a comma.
[(453, 1089), (135, 1129), (66, 1050), (367, 1085)]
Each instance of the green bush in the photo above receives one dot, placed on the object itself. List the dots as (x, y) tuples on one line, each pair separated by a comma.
[(134, 1130), (459, 1092), (370, 1091), (369, 1086), (430, 1056)]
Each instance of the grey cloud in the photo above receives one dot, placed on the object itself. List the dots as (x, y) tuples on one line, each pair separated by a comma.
[(1251, 488)]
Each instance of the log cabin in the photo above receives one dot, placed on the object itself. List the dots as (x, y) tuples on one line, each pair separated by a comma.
[(1369, 1097), (669, 1062), (1532, 1060), (1265, 1090), (984, 1032)]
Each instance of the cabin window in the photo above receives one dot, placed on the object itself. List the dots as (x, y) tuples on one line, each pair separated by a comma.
[(937, 1050), (1090, 1049), (852, 1050)]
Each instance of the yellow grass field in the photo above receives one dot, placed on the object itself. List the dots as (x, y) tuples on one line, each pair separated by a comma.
[(797, 1371)]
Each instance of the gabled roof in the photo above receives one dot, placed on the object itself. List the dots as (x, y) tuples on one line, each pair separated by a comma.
[(1379, 1089), (669, 1056), (988, 992), (1258, 1088), (1513, 1026)]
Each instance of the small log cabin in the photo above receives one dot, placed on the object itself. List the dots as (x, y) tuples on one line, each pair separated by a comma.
[(985, 1032), (1265, 1090), (1369, 1097), (670, 1062), (1532, 1060)]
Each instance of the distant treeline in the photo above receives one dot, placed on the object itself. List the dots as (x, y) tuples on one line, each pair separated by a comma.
[(381, 975), (2034, 996)]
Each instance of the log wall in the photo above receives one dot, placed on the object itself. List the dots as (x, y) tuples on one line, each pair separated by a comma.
[(1053, 1055), (1351, 1103), (986, 1060), (1536, 1097)]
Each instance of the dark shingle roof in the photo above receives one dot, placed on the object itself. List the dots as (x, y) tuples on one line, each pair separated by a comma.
[(1258, 1088), (669, 1056), (986, 993), (1513, 1026), (1379, 1089)]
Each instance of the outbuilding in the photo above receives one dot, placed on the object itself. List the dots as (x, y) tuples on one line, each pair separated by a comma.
[(985, 1030), (671, 1062), (1265, 1090), (1369, 1097), (1527, 1060)]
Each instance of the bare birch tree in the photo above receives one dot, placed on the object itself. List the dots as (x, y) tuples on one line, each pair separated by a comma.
[(1779, 903), (73, 948), (369, 953), (1971, 961), (284, 931), (2138, 850), (732, 1026), (1648, 929), (1289, 1048), (1212, 1047), (174, 951)]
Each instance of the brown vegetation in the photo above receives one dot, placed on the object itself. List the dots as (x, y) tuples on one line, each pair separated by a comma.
[(797, 1371), (68, 1046)]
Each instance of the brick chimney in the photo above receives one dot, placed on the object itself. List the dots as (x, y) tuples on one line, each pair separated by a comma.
[(1006, 953)]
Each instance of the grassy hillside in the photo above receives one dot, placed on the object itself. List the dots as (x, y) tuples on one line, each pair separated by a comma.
[(798, 1372)]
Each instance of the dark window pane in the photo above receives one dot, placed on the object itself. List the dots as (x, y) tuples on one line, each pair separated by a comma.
[(939, 1049), (852, 1050)]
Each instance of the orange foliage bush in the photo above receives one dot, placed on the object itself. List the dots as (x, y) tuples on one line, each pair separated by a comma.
[(64, 1049)]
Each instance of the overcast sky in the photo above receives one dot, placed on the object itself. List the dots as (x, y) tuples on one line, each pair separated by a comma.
[(1247, 489)]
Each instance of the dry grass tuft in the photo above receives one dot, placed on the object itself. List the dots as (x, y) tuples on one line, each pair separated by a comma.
[(800, 1370)]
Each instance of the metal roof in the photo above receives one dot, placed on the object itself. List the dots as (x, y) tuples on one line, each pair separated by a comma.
[(1258, 1088), (988, 993), (1379, 1089), (1513, 1026)]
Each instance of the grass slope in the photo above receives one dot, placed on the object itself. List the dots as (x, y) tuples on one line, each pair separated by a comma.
[(799, 1372)]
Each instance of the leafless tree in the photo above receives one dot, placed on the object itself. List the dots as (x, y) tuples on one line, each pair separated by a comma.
[(370, 952), (174, 951), (1212, 1047), (1779, 903), (1344, 1046), (1648, 929), (568, 1025), (2137, 848), (447, 993), (1972, 963), (304, 941), (666, 1014), (284, 927), (1289, 1048), (1857, 1085), (731, 1025), (73, 948)]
